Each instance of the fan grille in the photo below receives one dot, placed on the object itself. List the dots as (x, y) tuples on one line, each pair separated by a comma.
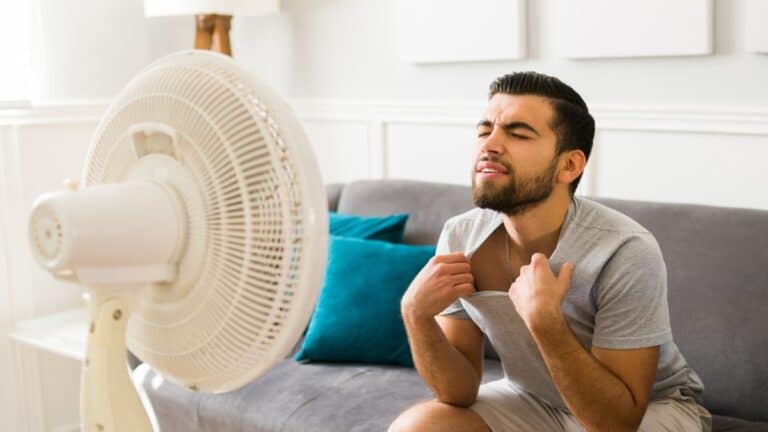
[(229, 323)]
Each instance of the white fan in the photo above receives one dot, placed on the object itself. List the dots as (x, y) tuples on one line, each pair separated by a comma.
[(200, 231)]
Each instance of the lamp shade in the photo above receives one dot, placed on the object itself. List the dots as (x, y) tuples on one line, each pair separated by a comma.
[(221, 7)]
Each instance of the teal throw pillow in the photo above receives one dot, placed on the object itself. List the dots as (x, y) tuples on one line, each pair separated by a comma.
[(357, 316), (385, 228)]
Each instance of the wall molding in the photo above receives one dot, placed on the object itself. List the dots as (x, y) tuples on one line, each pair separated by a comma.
[(65, 112), (651, 118), (709, 119), (691, 119)]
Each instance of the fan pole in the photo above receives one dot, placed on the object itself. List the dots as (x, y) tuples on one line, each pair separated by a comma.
[(109, 401)]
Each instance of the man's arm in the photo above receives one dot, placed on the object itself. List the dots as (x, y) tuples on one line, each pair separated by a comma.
[(448, 354), (606, 390)]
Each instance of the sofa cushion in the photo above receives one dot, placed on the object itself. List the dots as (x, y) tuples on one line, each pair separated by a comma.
[(357, 316), (730, 424), (428, 204), (385, 228), (294, 397), (333, 193)]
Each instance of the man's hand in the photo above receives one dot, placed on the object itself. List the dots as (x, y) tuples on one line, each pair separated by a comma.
[(447, 352), (443, 279), (537, 293)]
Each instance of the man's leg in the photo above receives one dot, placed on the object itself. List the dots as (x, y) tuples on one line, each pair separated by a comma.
[(676, 413), (434, 416), (500, 407), (507, 408)]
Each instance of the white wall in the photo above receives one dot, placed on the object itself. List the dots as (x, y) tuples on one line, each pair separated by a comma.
[(89, 49), (348, 49), (689, 129), (8, 401), (38, 149)]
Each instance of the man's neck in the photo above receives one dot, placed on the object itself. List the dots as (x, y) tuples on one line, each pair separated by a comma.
[(538, 229)]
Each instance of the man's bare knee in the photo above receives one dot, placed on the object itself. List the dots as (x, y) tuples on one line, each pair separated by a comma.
[(436, 416)]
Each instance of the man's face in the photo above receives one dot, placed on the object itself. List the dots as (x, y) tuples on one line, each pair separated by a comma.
[(514, 164)]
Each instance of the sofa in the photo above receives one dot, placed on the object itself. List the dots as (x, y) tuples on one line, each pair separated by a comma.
[(717, 261)]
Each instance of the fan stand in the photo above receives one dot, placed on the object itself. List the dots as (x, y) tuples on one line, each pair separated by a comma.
[(108, 394), (212, 32)]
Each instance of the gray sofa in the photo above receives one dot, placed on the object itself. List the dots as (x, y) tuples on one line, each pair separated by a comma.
[(717, 262)]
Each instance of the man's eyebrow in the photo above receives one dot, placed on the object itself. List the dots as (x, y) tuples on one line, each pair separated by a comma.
[(483, 123), (519, 125), (508, 126)]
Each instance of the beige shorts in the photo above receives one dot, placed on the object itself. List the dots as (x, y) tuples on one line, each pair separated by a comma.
[(505, 408)]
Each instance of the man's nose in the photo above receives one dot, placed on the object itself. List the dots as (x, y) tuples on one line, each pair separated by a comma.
[(492, 143)]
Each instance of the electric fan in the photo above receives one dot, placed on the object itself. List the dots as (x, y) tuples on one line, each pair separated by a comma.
[(199, 232)]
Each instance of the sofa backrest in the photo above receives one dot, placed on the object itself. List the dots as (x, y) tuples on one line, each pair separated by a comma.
[(717, 263)]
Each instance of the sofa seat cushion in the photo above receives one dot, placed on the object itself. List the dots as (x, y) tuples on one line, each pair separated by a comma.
[(730, 424), (294, 397), (318, 397)]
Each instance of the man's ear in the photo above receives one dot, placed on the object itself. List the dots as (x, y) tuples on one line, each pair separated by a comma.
[(572, 165)]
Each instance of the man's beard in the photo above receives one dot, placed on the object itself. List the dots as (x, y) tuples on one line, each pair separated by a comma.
[(511, 197)]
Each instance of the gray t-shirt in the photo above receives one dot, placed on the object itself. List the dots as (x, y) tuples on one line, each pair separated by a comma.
[(617, 298)]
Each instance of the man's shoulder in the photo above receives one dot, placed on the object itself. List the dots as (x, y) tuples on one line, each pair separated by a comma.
[(597, 216), (614, 232)]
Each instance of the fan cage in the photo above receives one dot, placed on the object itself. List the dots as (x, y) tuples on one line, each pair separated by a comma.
[(261, 220)]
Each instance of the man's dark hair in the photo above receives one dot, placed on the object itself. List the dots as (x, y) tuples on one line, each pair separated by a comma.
[(572, 123)]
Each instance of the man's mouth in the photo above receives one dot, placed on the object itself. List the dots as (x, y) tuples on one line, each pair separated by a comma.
[(487, 170)]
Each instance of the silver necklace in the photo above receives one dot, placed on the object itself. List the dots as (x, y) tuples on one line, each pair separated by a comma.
[(508, 265)]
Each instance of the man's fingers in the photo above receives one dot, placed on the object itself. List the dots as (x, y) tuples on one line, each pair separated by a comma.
[(539, 259), (454, 257), (463, 289), (566, 273), (455, 268), (463, 278)]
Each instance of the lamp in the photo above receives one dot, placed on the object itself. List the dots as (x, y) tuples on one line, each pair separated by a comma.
[(212, 17)]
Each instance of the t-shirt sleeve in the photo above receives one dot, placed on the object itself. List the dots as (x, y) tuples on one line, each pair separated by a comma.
[(444, 246), (631, 298)]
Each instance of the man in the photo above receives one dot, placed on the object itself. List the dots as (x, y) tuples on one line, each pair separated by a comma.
[(571, 294)]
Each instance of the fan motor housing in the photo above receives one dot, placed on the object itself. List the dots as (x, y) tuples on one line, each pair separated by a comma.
[(122, 233)]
